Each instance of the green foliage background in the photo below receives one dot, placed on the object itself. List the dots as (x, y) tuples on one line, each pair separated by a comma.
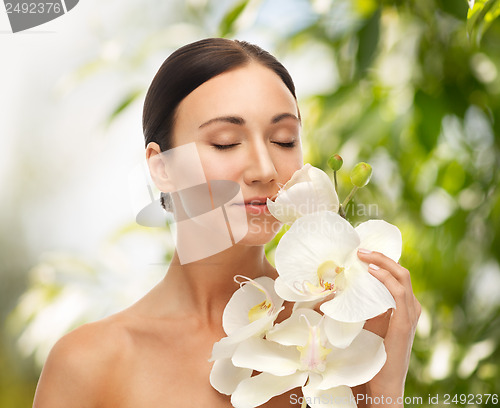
[(417, 96)]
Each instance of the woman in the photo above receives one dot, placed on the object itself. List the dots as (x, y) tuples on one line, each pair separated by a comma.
[(237, 105)]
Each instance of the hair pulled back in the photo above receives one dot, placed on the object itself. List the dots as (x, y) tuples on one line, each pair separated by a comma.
[(189, 67)]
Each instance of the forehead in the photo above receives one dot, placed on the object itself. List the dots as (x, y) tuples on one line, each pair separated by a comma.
[(253, 92)]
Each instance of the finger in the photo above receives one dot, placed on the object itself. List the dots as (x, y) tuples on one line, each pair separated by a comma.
[(417, 307), (379, 259), (400, 273), (407, 306), (397, 290)]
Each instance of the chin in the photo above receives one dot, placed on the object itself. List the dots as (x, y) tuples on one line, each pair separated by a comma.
[(261, 230)]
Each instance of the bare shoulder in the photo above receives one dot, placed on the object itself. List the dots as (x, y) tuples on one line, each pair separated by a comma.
[(81, 364)]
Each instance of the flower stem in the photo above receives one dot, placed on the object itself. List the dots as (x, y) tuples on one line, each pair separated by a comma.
[(348, 198), (335, 180)]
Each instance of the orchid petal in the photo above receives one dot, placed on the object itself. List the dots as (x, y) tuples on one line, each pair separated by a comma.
[(326, 195), (298, 196), (235, 314), (310, 304), (309, 242), (308, 191), (224, 348), (266, 356), (356, 364), (284, 290), (287, 206), (299, 176), (225, 376), (257, 390), (380, 236), (283, 213), (294, 330), (338, 397), (341, 334), (362, 298)]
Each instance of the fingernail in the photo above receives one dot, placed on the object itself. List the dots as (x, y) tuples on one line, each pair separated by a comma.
[(373, 267), (364, 251)]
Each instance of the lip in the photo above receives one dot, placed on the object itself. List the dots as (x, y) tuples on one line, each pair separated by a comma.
[(255, 205)]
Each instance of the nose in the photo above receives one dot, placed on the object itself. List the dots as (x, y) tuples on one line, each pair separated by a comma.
[(260, 166)]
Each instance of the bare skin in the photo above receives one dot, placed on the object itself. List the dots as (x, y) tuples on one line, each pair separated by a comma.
[(155, 353)]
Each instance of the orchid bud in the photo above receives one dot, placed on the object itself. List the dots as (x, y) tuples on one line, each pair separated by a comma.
[(335, 162), (361, 174)]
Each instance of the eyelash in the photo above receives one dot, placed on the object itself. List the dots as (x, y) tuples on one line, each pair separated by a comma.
[(287, 145), (224, 147)]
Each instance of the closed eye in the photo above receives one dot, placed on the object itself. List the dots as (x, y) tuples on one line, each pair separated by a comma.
[(224, 147), (286, 145)]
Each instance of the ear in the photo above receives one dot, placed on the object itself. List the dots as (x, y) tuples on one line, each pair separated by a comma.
[(157, 168)]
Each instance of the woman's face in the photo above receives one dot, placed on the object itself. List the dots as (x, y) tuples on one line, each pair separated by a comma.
[(246, 128)]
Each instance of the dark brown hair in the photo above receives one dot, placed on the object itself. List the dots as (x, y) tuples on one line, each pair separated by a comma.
[(189, 67)]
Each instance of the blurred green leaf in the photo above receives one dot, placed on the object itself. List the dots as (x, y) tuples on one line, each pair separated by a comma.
[(429, 114), (226, 26), (365, 7), (368, 41), (126, 101), (480, 17)]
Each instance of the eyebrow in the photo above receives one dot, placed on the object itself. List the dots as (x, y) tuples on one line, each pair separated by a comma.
[(282, 116), (237, 120)]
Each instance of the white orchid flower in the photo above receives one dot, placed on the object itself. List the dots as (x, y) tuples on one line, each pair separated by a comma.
[(296, 353), (309, 190), (317, 259), (250, 312)]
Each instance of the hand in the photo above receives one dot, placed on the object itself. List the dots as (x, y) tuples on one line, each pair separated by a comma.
[(396, 326)]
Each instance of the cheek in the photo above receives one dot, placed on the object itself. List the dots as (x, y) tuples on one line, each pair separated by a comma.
[(287, 167), (221, 168), (288, 161)]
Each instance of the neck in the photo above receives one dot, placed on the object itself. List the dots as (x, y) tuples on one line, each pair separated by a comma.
[(204, 287)]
